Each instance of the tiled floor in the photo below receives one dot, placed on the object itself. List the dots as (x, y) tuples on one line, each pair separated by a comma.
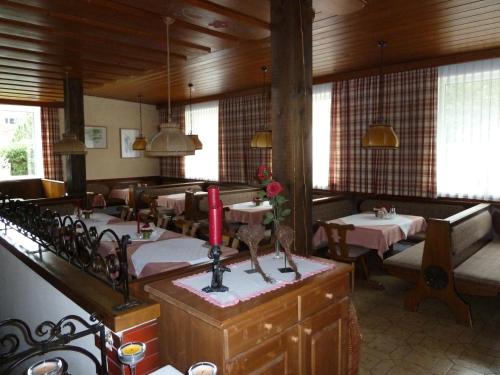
[(396, 341)]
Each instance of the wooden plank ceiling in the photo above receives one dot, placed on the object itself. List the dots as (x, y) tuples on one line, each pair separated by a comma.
[(118, 47)]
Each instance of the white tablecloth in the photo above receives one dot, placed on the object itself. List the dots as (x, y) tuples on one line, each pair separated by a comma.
[(243, 286), (167, 370), (184, 249), (248, 212), (368, 219), (96, 219)]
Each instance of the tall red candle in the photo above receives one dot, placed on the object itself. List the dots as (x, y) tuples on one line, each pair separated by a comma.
[(214, 216)]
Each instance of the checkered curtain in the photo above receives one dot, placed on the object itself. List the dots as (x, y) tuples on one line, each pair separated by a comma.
[(173, 166), (411, 108), (52, 164), (239, 118)]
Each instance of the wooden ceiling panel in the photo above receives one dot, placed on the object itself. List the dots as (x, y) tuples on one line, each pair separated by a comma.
[(118, 47)]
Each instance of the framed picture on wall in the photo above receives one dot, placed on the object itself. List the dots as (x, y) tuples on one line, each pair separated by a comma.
[(96, 137), (127, 138)]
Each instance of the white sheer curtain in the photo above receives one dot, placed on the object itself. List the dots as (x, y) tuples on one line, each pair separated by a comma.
[(468, 130), (321, 120), (204, 164)]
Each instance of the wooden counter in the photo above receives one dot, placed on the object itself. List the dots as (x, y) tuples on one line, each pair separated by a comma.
[(85, 290), (300, 329)]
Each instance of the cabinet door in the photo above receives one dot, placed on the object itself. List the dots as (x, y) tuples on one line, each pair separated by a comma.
[(275, 356), (324, 341)]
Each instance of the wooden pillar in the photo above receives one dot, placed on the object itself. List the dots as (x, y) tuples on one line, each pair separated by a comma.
[(76, 177), (291, 119)]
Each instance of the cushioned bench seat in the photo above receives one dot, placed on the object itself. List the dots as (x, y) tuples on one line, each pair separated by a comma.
[(410, 258), (483, 267)]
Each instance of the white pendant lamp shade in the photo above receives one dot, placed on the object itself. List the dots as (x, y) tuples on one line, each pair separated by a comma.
[(196, 141), (69, 145), (170, 141)]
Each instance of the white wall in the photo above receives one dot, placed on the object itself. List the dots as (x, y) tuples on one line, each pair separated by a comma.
[(25, 295), (116, 114)]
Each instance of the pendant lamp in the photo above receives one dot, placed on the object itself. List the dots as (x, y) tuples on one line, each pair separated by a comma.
[(69, 144), (170, 141), (380, 135), (194, 137), (140, 141), (263, 138)]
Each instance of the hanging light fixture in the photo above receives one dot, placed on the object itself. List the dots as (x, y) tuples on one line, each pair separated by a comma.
[(194, 137), (380, 135), (170, 141), (140, 141), (69, 144), (263, 138)]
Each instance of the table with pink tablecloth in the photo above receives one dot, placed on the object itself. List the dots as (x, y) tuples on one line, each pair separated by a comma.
[(374, 233), (122, 194), (176, 202), (248, 212)]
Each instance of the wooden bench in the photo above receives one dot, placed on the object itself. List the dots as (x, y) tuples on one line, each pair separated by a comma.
[(457, 257)]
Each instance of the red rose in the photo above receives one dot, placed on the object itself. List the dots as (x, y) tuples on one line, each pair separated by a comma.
[(273, 189), (264, 173)]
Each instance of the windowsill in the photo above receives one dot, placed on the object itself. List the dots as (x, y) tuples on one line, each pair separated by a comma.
[(14, 178)]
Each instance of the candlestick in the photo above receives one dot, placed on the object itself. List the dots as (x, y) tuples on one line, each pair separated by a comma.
[(213, 196)]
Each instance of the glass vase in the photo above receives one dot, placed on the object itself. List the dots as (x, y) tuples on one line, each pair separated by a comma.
[(277, 248)]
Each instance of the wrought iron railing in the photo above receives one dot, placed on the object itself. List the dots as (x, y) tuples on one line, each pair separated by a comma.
[(72, 241), (18, 344)]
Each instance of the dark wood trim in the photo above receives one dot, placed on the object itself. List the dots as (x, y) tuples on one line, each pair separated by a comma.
[(33, 103), (86, 291)]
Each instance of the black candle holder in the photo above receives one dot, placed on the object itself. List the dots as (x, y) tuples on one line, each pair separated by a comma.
[(218, 270)]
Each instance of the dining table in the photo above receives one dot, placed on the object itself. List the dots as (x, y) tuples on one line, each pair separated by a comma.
[(176, 202), (247, 212), (122, 194), (372, 232), (164, 250)]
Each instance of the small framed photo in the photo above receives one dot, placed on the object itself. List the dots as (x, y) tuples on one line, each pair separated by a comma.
[(127, 138), (96, 137)]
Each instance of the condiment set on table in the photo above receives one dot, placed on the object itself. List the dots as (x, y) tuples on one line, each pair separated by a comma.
[(383, 213)]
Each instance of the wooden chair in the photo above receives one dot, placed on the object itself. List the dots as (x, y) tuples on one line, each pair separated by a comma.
[(230, 241), (125, 213), (339, 250)]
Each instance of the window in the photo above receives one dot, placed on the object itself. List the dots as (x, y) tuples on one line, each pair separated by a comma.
[(468, 130), (204, 164), (322, 104), (20, 142)]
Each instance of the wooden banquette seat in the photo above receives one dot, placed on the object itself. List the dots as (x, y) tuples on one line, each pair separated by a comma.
[(458, 256)]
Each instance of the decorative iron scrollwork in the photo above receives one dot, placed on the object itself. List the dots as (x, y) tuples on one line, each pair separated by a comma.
[(436, 277), (72, 241), (50, 337)]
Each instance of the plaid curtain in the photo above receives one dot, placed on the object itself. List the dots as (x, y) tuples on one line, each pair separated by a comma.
[(52, 164), (411, 108), (173, 166), (239, 118)]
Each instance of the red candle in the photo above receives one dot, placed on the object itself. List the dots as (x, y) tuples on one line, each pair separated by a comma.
[(214, 216), (213, 196)]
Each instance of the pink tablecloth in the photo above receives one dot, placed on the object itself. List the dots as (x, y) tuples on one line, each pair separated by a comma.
[(176, 202), (119, 194), (248, 212), (378, 237)]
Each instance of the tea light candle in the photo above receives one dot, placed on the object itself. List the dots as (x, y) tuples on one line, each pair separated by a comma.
[(203, 368), (131, 353), (47, 367)]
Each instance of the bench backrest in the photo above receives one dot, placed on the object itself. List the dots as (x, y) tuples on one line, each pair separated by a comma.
[(166, 189), (421, 207), (228, 197), (329, 208), (470, 230)]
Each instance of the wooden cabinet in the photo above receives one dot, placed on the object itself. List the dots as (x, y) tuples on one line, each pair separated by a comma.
[(299, 329)]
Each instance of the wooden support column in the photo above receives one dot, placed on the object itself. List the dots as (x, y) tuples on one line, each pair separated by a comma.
[(76, 178), (291, 119)]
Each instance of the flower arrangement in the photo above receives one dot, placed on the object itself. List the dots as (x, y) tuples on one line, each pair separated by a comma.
[(271, 191)]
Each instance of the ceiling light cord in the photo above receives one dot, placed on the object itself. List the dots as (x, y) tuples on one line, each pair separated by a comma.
[(140, 113), (190, 108), (169, 113), (381, 83)]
